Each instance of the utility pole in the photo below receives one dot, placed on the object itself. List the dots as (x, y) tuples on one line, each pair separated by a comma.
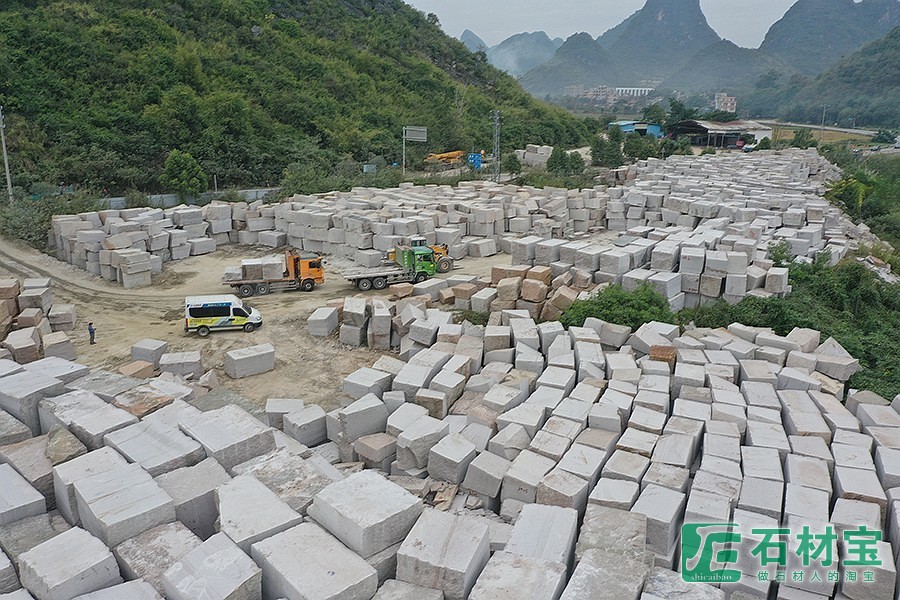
[(9, 189), (822, 130), (495, 164)]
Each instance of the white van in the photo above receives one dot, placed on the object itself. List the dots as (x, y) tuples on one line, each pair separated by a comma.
[(205, 313)]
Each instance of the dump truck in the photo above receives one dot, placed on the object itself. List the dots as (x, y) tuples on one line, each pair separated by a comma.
[(443, 262), (298, 271), (409, 265)]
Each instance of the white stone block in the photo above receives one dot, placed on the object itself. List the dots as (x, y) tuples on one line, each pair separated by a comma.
[(217, 569), (366, 512), (68, 565), (445, 552)]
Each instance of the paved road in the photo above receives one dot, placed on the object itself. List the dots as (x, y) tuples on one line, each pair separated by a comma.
[(826, 128)]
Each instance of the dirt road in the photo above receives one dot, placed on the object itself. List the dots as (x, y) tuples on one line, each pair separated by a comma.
[(306, 367)]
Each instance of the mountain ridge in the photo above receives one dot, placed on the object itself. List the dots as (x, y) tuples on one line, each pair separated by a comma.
[(581, 60)]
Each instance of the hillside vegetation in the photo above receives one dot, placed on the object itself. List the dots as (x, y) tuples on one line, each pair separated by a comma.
[(813, 34), (98, 93), (862, 88)]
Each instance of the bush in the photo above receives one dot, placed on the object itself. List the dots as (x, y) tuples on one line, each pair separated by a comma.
[(709, 150), (473, 317), (780, 253), (764, 144), (615, 305), (136, 199), (510, 164), (29, 219), (847, 302), (803, 138)]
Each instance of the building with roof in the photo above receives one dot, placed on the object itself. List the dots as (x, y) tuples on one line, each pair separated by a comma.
[(726, 103), (720, 135), (640, 127)]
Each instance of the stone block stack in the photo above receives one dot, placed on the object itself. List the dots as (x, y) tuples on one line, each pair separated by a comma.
[(727, 203), (632, 435), (511, 460), (32, 326)]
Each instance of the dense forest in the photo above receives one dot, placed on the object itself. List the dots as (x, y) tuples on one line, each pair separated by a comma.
[(98, 93)]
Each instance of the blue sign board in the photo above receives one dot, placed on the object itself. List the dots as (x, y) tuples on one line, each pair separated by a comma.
[(475, 160)]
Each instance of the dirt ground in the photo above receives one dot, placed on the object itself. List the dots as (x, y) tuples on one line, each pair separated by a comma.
[(306, 367)]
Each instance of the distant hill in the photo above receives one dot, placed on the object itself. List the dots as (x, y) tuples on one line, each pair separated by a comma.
[(814, 34), (472, 41), (522, 52), (558, 41), (864, 87), (581, 60), (98, 93), (611, 36), (661, 37), (724, 67)]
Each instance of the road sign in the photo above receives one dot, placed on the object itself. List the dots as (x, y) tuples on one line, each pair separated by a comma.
[(415, 134), (475, 160), (369, 168)]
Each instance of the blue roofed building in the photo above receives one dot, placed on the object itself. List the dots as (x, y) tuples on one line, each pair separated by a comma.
[(641, 127)]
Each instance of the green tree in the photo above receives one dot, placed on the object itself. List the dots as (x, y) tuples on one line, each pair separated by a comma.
[(678, 111), (638, 147), (598, 147), (654, 113), (607, 153), (182, 174), (803, 138), (764, 144), (668, 147), (558, 163), (884, 137), (510, 164), (613, 157), (616, 135), (575, 164)]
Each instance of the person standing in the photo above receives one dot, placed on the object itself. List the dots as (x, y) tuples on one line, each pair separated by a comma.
[(91, 331)]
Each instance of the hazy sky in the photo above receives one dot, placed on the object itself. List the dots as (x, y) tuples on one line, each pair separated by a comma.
[(744, 22)]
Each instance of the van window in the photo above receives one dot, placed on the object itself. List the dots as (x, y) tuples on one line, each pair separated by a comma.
[(205, 312), (239, 312)]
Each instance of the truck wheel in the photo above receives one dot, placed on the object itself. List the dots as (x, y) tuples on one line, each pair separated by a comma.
[(445, 265), (245, 291), (203, 331), (364, 285), (420, 277), (249, 327), (307, 285), (379, 283), (262, 289)]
